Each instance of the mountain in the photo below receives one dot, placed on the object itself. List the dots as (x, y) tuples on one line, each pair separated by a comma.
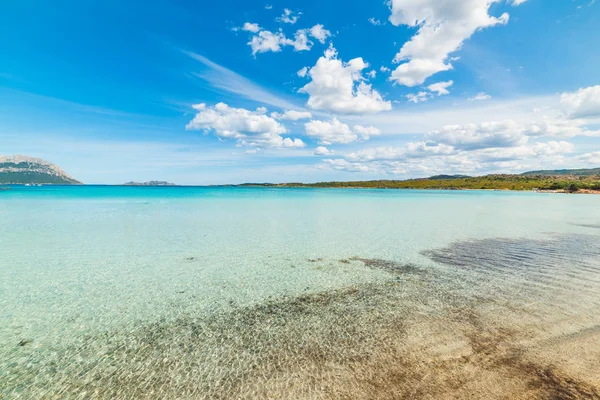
[(23, 170), (557, 172)]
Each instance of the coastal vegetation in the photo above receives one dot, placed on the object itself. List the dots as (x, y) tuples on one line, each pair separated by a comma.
[(542, 182)]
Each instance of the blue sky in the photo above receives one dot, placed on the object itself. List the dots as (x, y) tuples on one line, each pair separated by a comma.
[(201, 93)]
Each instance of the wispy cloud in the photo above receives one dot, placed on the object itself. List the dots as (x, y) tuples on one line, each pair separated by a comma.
[(225, 79)]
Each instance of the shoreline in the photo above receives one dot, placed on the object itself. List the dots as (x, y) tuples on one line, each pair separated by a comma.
[(9, 186)]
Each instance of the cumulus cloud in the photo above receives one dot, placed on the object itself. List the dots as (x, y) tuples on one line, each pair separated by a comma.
[(302, 72), (337, 132), (585, 103), (480, 97), (478, 136), (365, 132), (248, 128), (263, 40), (443, 26), (374, 21), (292, 115), (329, 132), (266, 41), (565, 128), (517, 2), (320, 33), (497, 146), (301, 42), (251, 27), (340, 87), (419, 97), (323, 151), (552, 148), (344, 165), (441, 88), (443, 158), (288, 17), (503, 145), (590, 158), (410, 150)]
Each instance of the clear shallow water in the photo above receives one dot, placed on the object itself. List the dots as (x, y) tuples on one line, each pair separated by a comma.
[(89, 270)]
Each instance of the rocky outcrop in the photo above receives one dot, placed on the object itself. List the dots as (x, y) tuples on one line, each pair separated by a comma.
[(28, 170)]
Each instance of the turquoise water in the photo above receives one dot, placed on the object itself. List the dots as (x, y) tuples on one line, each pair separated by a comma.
[(76, 262)]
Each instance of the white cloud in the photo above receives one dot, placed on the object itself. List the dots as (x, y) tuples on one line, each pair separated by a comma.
[(480, 96), (418, 97), (590, 158), (517, 2), (443, 158), (372, 74), (565, 128), (374, 21), (251, 27), (266, 41), (343, 165), (248, 128), (329, 132), (585, 103), (548, 149), (383, 68), (443, 26), (507, 133), (292, 115), (335, 131), (365, 132), (320, 33), (553, 147), (339, 87), (532, 140), (478, 136), (323, 151), (301, 42), (288, 17), (268, 7), (302, 72), (441, 88), (410, 150)]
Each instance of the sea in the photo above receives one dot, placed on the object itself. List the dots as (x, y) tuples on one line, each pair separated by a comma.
[(114, 292)]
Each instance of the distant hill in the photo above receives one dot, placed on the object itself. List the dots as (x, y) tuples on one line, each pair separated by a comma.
[(28, 170), (568, 183), (557, 172), (150, 183)]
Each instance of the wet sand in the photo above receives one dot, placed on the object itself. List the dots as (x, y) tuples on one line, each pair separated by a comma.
[(510, 319)]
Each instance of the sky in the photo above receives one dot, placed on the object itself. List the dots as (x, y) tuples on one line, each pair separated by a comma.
[(198, 92)]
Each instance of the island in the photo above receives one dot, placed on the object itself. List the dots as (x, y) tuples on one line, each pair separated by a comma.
[(149, 183), (23, 170)]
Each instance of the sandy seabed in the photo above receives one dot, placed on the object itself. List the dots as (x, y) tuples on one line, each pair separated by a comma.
[(508, 319)]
